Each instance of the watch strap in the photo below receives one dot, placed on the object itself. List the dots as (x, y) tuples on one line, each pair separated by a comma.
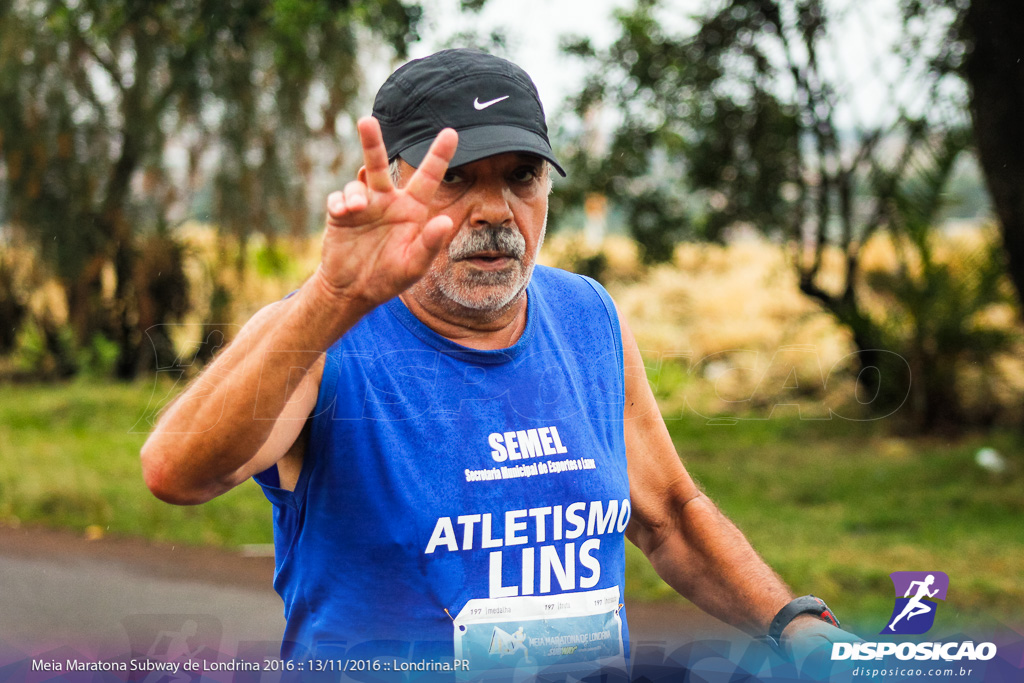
[(807, 604)]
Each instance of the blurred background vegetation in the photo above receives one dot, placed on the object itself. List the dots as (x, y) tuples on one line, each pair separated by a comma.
[(829, 307)]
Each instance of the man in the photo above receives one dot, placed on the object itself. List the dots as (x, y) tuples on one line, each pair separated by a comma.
[(456, 443)]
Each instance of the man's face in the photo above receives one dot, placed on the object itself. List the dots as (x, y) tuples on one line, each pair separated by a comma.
[(499, 206)]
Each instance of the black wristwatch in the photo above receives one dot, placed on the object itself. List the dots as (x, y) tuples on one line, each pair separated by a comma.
[(807, 604)]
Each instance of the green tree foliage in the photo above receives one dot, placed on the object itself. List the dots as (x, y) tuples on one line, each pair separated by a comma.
[(92, 93), (736, 122), (691, 118), (936, 298)]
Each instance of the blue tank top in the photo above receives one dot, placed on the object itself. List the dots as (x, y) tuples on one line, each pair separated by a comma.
[(463, 506)]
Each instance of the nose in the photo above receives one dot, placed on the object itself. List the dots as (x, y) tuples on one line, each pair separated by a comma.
[(491, 204)]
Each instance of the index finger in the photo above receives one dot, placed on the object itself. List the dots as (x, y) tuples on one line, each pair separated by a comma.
[(375, 155), (425, 181)]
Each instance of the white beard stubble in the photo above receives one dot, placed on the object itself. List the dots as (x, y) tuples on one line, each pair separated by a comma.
[(488, 290)]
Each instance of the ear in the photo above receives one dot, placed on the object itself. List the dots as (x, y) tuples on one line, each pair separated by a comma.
[(361, 175)]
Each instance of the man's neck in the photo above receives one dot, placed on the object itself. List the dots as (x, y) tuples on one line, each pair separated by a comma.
[(481, 330)]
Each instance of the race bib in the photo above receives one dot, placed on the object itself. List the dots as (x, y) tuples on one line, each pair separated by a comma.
[(570, 632)]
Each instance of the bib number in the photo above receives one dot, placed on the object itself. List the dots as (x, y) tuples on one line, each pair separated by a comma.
[(547, 633)]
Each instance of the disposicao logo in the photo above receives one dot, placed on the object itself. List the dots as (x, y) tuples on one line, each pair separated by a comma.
[(914, 614)]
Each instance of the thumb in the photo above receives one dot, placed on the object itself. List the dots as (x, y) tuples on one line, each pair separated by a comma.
[(423, 250)]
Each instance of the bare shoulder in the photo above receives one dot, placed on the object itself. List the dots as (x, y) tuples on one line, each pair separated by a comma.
[(658, 481), (286, 444), (290, 466)]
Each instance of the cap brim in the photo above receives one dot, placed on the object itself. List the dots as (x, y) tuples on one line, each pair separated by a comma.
[(486, 141)]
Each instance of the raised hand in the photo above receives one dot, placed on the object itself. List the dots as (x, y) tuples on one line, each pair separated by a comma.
[(381, 239)]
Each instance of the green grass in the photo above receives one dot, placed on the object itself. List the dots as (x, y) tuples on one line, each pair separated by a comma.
[(69, 457), (834, 506)]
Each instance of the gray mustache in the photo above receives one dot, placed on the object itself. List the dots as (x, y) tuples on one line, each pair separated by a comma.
[(506, 241)]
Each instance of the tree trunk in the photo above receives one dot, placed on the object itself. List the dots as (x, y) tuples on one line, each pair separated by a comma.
[(883, 381), (87, 315), (995, 71), (13, 309), (128, 336), (120, 236)]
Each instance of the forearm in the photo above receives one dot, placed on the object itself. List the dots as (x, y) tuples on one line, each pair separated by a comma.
[(708, 560), (237, 418), (221, 421)]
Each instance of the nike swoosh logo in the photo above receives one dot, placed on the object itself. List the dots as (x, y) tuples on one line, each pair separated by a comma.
[(479, 106)]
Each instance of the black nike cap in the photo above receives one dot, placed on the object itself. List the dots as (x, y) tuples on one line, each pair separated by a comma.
[(491, 103)]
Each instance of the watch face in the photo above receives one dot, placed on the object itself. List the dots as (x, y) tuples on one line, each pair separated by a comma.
[(808, 604)]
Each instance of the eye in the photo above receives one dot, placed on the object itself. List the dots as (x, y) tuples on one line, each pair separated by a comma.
[(451, 177), (525, 174)]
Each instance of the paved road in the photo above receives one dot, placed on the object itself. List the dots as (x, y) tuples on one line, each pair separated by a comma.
[(105, 598), (113, 596)]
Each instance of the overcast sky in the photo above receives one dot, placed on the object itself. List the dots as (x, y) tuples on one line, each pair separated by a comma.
[(534, 28), (863, 33)]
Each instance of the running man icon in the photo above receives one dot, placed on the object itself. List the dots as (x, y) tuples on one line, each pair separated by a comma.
[(919, 590), (915, 606)]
